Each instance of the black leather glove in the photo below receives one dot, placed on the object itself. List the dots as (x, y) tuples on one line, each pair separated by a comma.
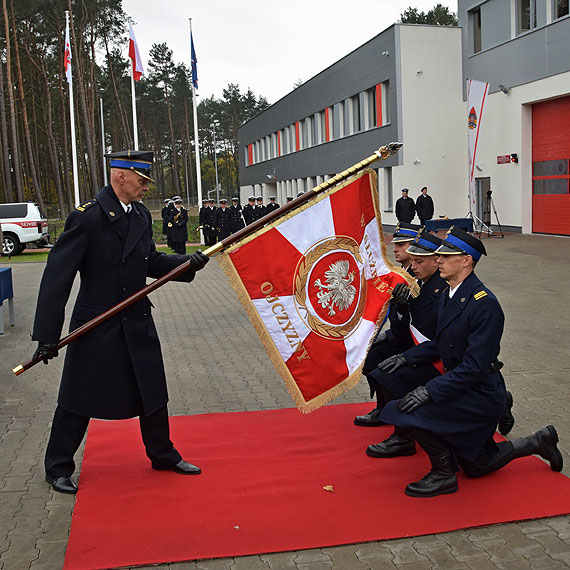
[(45, 351), (413, 400), (400, 296), (198, 260), (392, 363)]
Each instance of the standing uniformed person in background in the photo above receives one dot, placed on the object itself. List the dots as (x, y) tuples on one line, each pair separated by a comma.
[(424, 206), (237, 221), (248, 210), (453, 416), (164, 214), (259, 210), (223, 220), (210, 234), (201, 214), (116, 370), (272, 205), (405, 207), (178, 224)]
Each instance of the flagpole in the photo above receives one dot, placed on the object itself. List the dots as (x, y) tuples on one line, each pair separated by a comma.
[(382, 153), (72, 121), (196, 140), (135, 127), (105, 180)]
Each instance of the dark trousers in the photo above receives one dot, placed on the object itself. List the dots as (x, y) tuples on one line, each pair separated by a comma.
[(68, 431)]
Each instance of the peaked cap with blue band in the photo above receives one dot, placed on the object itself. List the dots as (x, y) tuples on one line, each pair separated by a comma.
[(405, 232), (459, 242), (139, 161), (424, 244)]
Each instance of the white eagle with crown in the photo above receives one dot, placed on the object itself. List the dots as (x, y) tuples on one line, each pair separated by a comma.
[(338, 289)]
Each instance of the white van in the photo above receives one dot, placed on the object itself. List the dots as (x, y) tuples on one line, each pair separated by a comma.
[(22, 223)]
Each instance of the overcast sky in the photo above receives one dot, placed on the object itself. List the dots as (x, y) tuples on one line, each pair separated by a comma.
[(262, 44)]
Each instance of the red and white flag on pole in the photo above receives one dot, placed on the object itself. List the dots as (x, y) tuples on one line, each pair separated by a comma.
[(134, 54), (476, 95), (67, 55), (315, 283)]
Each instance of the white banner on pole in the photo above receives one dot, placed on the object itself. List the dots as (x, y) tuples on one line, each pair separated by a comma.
[(476, 95)]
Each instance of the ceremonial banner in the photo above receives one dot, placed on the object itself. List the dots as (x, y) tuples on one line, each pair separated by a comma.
[(315, 283), (135, 55), (476, 94)]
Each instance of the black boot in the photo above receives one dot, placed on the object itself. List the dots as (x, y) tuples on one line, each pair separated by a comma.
[(370, 419), (543, 443), (441, 480), (507, 420), (397, 445)]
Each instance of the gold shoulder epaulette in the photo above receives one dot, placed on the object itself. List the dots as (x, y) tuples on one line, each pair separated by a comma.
[(480, 295), (86, 205)]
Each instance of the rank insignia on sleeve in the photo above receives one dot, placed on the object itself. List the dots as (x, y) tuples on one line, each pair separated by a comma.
[(480, 295)]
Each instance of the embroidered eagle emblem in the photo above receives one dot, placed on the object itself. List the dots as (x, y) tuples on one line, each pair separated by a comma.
[(338, 289)]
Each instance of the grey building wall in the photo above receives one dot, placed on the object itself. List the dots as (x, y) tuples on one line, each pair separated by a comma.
[(360, 70), (534, 55)]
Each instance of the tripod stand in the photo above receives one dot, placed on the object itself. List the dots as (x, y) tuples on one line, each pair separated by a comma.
[(489, 203)]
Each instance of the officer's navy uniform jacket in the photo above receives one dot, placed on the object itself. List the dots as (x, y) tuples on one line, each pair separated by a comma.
[(115, 370), (405, 209), (248, 210), (258, 213), (179, 228), (271, 207), (468, 400), (423, 317), (222, 222), (237, 221), (209, 225)]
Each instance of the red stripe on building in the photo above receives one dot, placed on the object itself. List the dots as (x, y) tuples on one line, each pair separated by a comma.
[(250, 154), (327, 128), (297, 145), (379, 122)]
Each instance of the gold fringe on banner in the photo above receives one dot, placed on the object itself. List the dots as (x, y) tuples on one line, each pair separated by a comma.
[(244, 298)]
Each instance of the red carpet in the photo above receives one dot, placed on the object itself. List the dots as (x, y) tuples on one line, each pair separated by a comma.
[(261, 490)]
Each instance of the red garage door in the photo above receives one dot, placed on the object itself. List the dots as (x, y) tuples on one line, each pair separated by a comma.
[(551, 167)]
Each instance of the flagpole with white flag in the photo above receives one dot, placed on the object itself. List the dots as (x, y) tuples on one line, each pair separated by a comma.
[(194, 61), (68, 75), (137, 71)]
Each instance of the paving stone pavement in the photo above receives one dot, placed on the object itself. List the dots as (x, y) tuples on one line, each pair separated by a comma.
[(215, 363)]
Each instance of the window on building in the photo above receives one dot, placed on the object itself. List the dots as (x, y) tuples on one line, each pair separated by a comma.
[(385, 188), (315, 129), (307, 132), (476, 27), (526, 15), (550, 177), (560, 8), (371, 99), (286, 140), (356, 126)]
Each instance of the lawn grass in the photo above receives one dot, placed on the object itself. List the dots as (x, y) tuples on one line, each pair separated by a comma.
[(40, 255)]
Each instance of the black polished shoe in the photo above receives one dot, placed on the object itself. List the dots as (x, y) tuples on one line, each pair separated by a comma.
[(547, 440), (507, 420), (395, 446), (433, 484), (370, 419), (62, 484), (182, 467)]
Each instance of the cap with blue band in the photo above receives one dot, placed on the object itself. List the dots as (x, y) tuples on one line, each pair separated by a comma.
[(424, 244), (139, 161), (458, 241)]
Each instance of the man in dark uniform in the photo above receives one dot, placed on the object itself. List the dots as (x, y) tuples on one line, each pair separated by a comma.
[(259, 210), (210, 234), (405, 207), (116, 370), (178, 224), (386, 342), (272, 205), (248, 210), (201, 214), (289, 198), (424, 206), (236, 218), (454, 415), (223, 220), (414, 320)]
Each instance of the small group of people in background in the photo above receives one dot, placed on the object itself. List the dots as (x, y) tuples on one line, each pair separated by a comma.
[(175, 224), (406, 208)]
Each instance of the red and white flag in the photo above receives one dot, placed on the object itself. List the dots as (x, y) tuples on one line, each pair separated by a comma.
[(476, 95), (67, 55), (315, 283), (135, 56)]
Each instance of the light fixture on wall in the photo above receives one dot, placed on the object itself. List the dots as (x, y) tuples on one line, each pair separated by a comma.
[(505, 90), (419, 71), (386, 53), (479, 167), (417, 161)]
